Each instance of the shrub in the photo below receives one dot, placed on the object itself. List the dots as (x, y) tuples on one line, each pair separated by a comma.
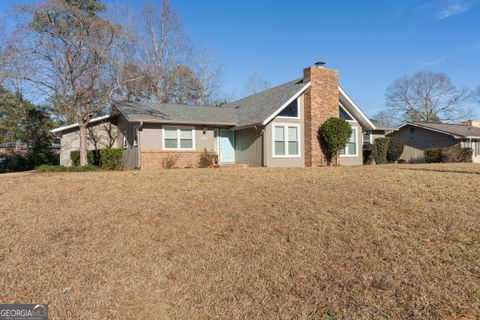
[(380, 148), (367, 153), (333, 135), (457, 154), (14, 163), (170, 161), (49, 168), (395, 149), (433, 155), (207, 159), (111, 159), (93, 157), (86, 168), (452, 154)]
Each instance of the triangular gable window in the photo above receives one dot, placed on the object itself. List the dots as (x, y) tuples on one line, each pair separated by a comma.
[(290, 111), (343, 114)]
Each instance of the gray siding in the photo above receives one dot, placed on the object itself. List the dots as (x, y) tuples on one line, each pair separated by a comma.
[(269, 159), (130, 153), (152, 139), (248, 147), (358, 159), (419, 140), (70, 140)]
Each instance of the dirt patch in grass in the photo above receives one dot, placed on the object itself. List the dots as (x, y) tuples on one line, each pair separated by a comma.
[(357, 243)]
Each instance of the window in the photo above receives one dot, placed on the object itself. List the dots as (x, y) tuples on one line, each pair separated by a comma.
[(343, 114), (290, 111), (367, 137), (350, 149), (467, 144), (286, 140), (178, 138), (412, 130)]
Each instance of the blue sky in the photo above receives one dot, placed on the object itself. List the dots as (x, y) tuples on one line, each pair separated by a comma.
[(371, 43)]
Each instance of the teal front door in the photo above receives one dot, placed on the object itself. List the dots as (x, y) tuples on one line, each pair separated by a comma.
[(227, 152)]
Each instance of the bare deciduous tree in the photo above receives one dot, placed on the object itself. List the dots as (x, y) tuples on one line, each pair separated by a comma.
[(386, 118), (164, 44), (127, 72), (428, 97), (69, 47), (255, 84), (95, 135), (209, 75)]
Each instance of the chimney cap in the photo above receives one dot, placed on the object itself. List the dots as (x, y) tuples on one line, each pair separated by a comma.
[(319, 63)]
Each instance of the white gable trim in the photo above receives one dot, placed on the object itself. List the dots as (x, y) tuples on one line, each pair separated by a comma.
[(71, 126), (356, 108), (273, 115)]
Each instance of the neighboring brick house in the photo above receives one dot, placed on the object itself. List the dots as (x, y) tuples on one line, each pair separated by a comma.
[(277, 127), (419, 136), (18, 147)]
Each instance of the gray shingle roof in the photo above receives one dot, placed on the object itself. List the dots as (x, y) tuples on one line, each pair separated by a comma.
[(142, 111), (452, 129), (248, 111), (258, 107)]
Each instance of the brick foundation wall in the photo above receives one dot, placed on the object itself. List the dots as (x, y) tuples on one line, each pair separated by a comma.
[(154, 160), (321, 103)]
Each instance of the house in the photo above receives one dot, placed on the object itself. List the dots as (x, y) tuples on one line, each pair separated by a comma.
[(419, 136), (277, 127), (380, 131)]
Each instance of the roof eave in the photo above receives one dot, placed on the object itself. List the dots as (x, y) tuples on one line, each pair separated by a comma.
[(456, 136), (74, 125)]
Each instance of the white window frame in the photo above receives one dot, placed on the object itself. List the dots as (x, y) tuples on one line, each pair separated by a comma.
[(298, 111), (477, 145), (346, 111), (285, 128), (371, 137), (468, 144), (178, 138), (347, 155)]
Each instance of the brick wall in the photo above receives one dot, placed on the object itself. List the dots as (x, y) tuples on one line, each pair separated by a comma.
[(154, 160), (321, 103)]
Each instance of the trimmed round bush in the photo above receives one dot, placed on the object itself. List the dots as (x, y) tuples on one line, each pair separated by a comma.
[(334, 135)]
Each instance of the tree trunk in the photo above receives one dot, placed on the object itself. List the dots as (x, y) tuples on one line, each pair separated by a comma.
[(83, 143)]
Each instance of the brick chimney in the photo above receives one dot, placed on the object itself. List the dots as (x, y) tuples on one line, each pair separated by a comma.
[(471, 123), (321, 103)]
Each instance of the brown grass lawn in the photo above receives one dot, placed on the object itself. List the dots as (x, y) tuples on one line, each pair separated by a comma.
[(385, 242)]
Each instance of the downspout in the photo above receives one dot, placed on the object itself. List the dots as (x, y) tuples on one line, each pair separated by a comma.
[(139, 141)]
